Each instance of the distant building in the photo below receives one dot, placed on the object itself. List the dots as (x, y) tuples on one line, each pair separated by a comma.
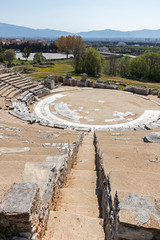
[(17, 50), (103, 49), (121, 44)]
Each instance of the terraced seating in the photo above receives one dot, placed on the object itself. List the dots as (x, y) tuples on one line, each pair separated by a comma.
[(12, 84), (16, 80), (11, 93), (2, 102), (2, 88), (19, 105), (11, 78), (128, 177), (6, 89), (34, 163)]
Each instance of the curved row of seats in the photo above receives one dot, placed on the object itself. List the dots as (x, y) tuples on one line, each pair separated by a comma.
[(12, 84)]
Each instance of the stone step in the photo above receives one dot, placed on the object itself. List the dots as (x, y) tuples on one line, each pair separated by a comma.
[(25, 158), (68, 226), (2, 102), (13, 93), (21, 138), (18, 142), (4, 88), (11, 172), (143, 183), (82, 179), (81, 201), (22, 83), (14, 80), (9, 91), (30, 151), (85, 164)]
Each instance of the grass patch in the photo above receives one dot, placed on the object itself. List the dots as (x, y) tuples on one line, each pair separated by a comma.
[(40, 72), (62, 67)]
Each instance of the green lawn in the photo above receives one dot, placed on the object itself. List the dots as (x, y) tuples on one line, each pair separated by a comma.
[(40, 72), (62, 67)]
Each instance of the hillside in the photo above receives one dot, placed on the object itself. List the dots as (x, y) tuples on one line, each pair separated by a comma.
[(13, 31)]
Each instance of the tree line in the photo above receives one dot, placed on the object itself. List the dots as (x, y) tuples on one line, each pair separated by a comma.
[(9, 55), (34, 47), (143, 67)]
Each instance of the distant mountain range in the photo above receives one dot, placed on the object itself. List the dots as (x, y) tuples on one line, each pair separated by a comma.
[(13, 31)]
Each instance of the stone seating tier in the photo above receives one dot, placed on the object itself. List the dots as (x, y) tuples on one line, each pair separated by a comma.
[(128, 176), (34, 164)]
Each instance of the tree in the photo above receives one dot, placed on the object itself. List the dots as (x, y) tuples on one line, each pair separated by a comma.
[(153, 62), (64, 44), (125, 66), (9, 55), (78, 47), (92, 62), (146, 66), (1, 54), (38, 57), (113, 64), (26, 52), (71, 44), (138, 67)]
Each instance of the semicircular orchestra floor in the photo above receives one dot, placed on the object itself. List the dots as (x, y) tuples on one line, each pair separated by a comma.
[(98, 109)]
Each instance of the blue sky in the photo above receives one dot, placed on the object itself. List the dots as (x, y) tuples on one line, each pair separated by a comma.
[(82, 15)]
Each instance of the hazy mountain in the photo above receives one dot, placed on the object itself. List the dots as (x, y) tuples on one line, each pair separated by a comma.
[(13, 31), (113, 34)]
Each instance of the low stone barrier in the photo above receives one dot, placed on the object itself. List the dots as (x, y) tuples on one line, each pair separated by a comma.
[(110, 84), (138, 90)]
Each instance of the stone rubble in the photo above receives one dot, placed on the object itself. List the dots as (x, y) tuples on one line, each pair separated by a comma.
[(153, 137)]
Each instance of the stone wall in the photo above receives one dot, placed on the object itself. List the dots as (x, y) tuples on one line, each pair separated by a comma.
[(110, 84)]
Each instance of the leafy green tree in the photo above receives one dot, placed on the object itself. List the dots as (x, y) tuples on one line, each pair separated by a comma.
[(26, 52), (1, 57), (139, 67), (92, 62), (146, 66), (9, 56), (125, 66), (38, 57), (153, 63)]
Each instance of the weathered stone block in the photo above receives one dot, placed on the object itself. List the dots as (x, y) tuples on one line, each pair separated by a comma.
[(138, 90), (153, 137), (80, 83), (99, 85), (66, 81), (20, 208)]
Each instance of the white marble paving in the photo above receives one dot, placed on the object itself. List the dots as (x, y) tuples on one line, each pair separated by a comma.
[(42, 111)]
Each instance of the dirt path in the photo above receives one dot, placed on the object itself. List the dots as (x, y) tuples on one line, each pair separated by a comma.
[(76, 215)]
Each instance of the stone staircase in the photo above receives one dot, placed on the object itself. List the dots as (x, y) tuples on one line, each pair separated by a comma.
[(76, 213)]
